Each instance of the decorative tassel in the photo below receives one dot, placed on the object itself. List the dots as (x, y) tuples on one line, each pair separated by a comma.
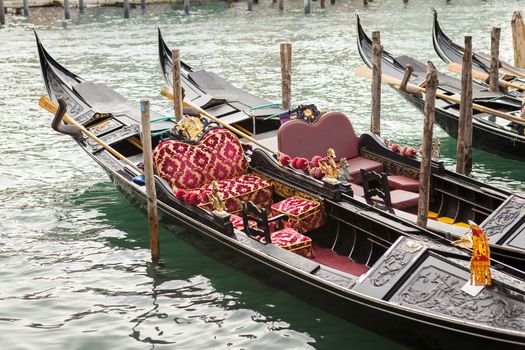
[(480, 262)]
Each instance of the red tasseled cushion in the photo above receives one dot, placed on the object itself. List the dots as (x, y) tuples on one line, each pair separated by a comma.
[(218, 156), (240, 189), (400, 182), (357, 163)]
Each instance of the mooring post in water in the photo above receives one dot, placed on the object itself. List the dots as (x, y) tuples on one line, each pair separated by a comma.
[(187, 7), (281, 4), (67, 14), (286, 74), (426, 154), (150, 181), (332, 2), (377, 52), (464, 139), (2, 13), (143, 5), (365, 2), (322, 3), (518, 39), (177, 87), (81, 7), (494, 60), (230, 3), (250, 5), (307, 7), (26, 8), (126, 8)]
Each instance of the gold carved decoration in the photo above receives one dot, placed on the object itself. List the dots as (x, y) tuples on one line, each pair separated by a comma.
[(329, 166), (190, 127), (216, 199)]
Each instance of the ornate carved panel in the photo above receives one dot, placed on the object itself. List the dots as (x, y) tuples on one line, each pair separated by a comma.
[(505, 216), (120, 134), (437, 288), (392, 167)]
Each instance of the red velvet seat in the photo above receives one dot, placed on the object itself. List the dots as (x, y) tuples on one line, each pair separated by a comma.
[(218, 156), (333, 130), (401, 199), (357, 163), (400, 182), (238, 223), (244, 188), (303, 215)]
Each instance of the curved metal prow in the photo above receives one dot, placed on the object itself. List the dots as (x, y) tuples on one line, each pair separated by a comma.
[(59, 126)]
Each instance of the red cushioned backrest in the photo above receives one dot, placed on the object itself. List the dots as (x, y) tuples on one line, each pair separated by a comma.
[(333, 130), (217, 156)]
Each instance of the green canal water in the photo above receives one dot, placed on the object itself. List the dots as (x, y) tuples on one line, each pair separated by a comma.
[(74, 256)]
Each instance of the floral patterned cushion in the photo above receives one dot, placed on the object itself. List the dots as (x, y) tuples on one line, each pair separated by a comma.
[(244, 188), (304, 215), (218, 156), (238, 222), (291, 240)]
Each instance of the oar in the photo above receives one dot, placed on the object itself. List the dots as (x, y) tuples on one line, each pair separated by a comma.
[(504, 66), (457, 68), (227, 126), (367, 73), (169, 95), (50, 106)]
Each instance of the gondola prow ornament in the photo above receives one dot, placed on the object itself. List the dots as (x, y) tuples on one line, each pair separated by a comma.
[(480, 262)]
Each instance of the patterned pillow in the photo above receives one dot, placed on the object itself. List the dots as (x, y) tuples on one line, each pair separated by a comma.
[(217, 156)]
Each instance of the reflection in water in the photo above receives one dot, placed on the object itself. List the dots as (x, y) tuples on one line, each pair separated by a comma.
[(75, 253)]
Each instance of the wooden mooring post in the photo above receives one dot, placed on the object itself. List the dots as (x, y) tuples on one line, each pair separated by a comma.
[(377, 52), (250, 5), (25, 4), (494, 60), (518, 39), (280, 4), (2, 13), (126, 8), (67, 13), (323, 3), (187, 7), (426, 154), (332, 2), (307, 7), (464, 139), (81, 7), (143, 5), (286, 74), (150, 181), (177, 87)]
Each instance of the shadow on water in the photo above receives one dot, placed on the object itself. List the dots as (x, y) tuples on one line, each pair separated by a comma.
[(222, 288)]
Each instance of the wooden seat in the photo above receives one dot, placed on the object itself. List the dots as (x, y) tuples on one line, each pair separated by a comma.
[(284, 237), (375, 188)]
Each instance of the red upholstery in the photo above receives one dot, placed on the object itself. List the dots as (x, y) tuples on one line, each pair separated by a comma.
[(333, 130), (244, 188), (218, 156), (400, 182), (357, 163), (238, 222), (401, 199), (358, 190), (304, 215), (291, 240)]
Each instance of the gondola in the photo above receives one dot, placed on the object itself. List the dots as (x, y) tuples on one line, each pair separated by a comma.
[(490, 133), (458, 197), (408, 290), (212, 93), (449, 52)]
